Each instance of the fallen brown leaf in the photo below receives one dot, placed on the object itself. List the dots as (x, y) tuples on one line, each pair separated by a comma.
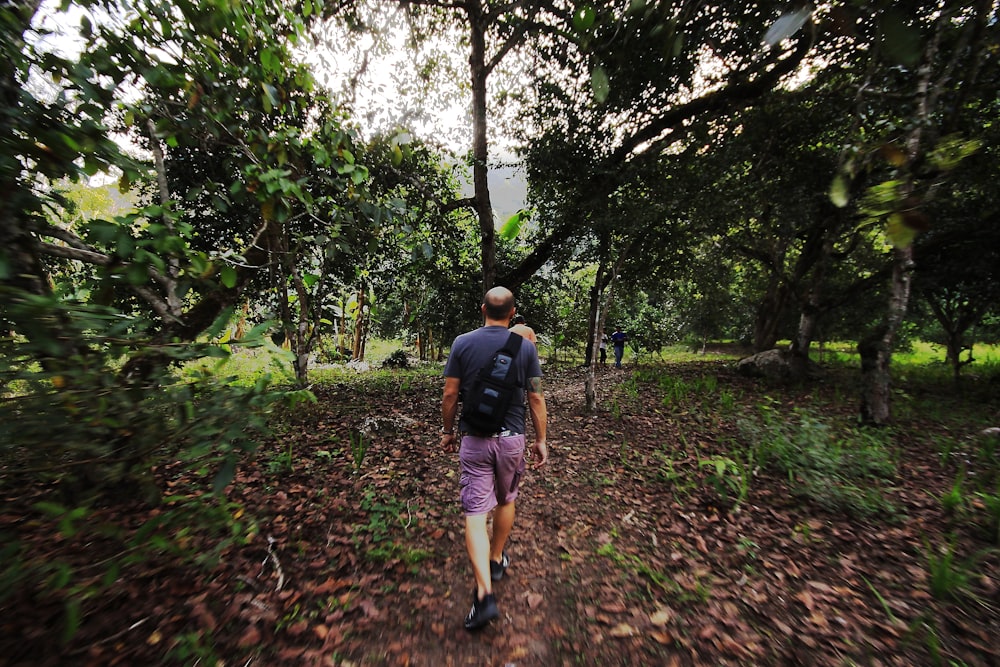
[(622, 630)]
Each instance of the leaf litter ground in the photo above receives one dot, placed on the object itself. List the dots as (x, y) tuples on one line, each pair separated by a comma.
[(624, 552)]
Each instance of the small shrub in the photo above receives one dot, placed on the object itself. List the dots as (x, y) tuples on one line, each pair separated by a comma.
[(398, 359), (839, 469), (948, 578), (730, 477), (359, 447), (954, 498)]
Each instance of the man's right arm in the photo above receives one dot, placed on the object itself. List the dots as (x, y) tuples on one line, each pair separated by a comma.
[(449, 410)]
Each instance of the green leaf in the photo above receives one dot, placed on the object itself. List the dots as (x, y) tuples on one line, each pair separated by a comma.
[(219, 323), (136, 273), (61, 577), (600, 84), (111, 576), (50, 508), (512, 227), (267, 60), (840, 191), (228, 276), (583, 18), (125, 245), (637, 6), (677, 45), (900, 234), (271, 98), (310, 279)]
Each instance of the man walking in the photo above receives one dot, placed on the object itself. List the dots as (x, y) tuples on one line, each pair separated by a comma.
[(492, 464), (618, 339), (521, 328)]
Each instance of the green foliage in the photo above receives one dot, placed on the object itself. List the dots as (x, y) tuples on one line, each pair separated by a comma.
[(954, 498), (679, 483), (974, 497), (111, 433), (637, 565), (192, 648), (359, 443), (378, 538), (730, 477), (398, 359), (840, 469), (680, 391), (282, 462), (181, 530), (948, 577), (990, 503)]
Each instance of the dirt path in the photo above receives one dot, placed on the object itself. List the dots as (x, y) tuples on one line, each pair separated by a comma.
[(538, 608)]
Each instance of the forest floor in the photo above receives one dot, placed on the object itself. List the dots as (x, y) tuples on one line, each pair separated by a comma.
[(631, 547)]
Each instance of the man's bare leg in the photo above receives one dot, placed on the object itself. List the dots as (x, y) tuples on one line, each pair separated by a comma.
[(477, 542), (503, 523)]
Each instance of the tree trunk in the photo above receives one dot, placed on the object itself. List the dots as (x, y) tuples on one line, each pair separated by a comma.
[(803, 340), (606, 279), (590, 389), (876, 350), (480, 146), (596, 311), (302, 342), (358, 353), (769, 312), (810, 313), (954, 353)]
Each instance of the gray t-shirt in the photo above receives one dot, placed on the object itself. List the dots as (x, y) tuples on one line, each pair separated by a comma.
[(473, 350)]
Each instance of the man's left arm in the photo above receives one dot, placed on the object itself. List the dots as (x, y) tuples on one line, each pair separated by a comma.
[(539, 417)]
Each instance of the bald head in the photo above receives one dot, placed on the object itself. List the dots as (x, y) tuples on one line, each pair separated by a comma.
[(498, 304)]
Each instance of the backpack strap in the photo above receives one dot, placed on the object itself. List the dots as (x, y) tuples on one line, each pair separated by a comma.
[(500, 367), (513, 344)]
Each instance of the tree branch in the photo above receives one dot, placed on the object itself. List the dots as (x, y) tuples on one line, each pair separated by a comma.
[(467, 202), (86, 253), (725, 98), (154, 300)]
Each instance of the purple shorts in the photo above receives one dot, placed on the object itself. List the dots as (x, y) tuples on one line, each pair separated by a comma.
[(491, 470)]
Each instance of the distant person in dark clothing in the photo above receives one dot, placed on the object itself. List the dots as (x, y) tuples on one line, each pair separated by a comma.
[(618, 339)]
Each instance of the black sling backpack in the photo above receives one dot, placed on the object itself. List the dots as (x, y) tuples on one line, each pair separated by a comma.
[(489, 396)]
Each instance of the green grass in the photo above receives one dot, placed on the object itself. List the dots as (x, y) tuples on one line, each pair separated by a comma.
[(247, 365), (924, 362), (834, 464)]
